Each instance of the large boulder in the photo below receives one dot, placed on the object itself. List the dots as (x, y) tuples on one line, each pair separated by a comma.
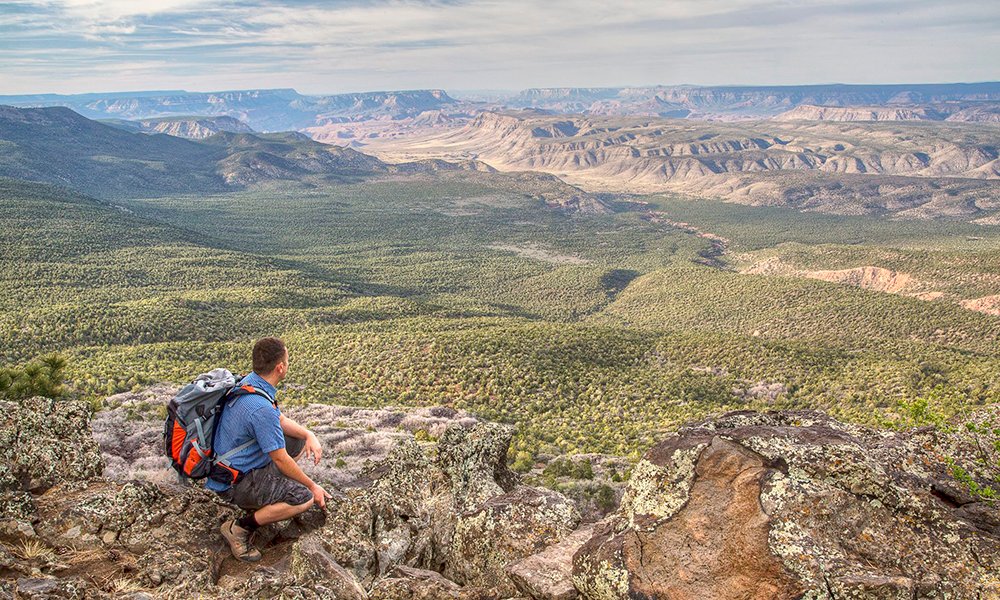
[(461, 513), (499, 521), (796, 504), (505, 529), (475, 458), (42, 442)]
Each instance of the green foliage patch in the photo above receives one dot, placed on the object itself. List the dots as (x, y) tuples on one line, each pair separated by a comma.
[(587, 332)]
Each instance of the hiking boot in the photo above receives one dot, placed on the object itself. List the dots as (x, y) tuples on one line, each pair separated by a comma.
[(239, 541)]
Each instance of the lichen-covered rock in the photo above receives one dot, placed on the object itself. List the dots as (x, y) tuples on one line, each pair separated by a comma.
[(408, 522), (312, 566), (347, 533), (462, 514), (166, 538), (494, 520), (42, 442), (475, 458), (504, 529), (795, 504), (407, 583), (400, 517), (548, 574)]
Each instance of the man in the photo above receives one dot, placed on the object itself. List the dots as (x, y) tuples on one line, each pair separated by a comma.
[(271, 487)]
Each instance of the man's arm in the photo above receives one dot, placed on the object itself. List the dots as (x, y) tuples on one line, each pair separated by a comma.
[(290, 469), (268, 431), (293, 429)]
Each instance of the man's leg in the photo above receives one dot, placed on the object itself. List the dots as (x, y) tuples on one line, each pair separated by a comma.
[(294, 446), (268, 497), (272, 513), (281, 498)]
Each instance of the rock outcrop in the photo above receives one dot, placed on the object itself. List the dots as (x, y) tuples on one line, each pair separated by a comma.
[(795, 504), (787, 504), (42, 443), (418, 524)]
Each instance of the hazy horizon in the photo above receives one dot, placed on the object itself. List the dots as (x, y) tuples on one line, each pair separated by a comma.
[(104, 46), (459, 93)]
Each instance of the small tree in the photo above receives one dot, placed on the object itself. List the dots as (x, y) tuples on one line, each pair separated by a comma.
[(41, 377)]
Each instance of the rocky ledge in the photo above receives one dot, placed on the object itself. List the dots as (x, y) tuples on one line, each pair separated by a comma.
[(746, 505)]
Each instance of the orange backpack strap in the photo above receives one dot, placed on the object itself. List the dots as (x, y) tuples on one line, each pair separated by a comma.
[(246, 390)]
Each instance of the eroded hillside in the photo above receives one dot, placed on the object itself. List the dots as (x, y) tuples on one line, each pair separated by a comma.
[(920, 170), (186, 127)]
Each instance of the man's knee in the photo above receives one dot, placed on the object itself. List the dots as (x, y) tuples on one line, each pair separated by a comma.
[(295, 447), (301, 508)]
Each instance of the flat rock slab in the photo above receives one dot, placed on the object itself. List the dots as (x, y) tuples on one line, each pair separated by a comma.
[(547, 575)]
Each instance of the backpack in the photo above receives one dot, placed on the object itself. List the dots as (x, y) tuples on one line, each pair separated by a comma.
[(193, 416)]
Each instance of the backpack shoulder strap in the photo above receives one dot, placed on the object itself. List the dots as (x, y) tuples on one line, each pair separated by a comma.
[(247, 390), (224, 459)]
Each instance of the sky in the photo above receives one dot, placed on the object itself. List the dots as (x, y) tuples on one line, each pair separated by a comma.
[(75, 46)]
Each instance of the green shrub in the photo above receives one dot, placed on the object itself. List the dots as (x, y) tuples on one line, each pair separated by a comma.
[(523, 462), (605, 497)]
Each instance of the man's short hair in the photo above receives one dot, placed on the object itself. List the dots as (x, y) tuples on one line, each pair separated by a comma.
[(267, 354)]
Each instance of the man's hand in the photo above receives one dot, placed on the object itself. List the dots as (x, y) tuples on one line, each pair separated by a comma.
[(312, 447), (319, 495)]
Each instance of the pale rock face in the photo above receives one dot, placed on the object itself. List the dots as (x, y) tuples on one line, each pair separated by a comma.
[(987, 304), (809, 112), (193, 128), (910, 170)]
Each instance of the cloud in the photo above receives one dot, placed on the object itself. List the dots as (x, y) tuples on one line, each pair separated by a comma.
[(114, 10), (383, 44)]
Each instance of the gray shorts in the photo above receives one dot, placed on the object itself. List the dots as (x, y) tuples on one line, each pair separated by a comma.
[(266, 485)]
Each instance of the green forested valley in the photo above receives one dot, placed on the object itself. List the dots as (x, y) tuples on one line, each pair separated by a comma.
[(589, 332)]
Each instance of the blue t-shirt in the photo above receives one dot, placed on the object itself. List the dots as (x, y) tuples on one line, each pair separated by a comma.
[(249, 417)]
